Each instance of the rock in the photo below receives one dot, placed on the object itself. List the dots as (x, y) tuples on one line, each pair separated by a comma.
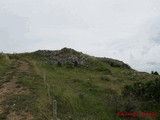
[(114, 62), (64, 57), (71, 58)]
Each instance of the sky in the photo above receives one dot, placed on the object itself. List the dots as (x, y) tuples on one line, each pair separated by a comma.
[(127, 30)]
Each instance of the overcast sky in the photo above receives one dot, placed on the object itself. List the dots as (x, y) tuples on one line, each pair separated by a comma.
[(128, 30)]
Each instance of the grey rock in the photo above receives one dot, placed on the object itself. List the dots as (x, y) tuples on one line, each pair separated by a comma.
[(64, 57)]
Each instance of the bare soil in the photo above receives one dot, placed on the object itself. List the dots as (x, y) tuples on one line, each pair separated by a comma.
[(12, 88)]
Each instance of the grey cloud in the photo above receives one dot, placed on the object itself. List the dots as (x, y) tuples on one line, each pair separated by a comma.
[(12, 31), (125, 30), (153, 63), (145, 51)]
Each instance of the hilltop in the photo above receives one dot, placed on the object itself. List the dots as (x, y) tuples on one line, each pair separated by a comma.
[(70, 57), (84, 87)]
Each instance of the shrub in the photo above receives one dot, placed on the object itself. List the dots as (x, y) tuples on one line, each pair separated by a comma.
[(145, 93), (154, 73)]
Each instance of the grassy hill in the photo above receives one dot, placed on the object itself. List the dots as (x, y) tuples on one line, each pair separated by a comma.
[(83, 87)]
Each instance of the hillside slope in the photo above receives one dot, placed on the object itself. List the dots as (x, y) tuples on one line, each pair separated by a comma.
[(83, 87)]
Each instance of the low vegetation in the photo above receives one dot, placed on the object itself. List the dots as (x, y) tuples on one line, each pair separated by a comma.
[(97, 90)]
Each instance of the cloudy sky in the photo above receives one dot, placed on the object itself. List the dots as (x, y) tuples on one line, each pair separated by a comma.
[(128, 30)]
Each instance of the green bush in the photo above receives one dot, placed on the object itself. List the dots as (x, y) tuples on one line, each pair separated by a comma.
[(147, 94), (154, 73), (144, 91)]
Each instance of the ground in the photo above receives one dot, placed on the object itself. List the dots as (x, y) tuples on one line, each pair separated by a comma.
[(11, 87)]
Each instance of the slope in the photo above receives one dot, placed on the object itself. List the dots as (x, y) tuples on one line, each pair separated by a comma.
[(84, 87)]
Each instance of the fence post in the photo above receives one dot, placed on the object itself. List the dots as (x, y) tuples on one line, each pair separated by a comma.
[(49, 93), (54, 109), (44, 79)]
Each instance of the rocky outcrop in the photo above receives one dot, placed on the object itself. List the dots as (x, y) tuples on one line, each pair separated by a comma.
[(114, 62), (64, 57), (72, 58)]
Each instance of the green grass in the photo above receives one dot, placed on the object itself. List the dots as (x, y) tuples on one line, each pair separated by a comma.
[(81, 93), (75, 90), (5, 63), (78, 93)]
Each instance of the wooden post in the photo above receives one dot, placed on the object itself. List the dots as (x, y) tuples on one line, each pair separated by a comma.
[(54, 109), (44, 79), (49, 93)]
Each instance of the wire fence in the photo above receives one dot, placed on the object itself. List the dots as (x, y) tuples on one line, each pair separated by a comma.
[(52, 102)]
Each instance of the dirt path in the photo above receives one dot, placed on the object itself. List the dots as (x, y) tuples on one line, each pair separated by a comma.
[(10, 88)]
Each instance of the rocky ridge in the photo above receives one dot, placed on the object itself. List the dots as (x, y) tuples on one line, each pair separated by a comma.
[(70, 57), (64, 57), (114, 62)]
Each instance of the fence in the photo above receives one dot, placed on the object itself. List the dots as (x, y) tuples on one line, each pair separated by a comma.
[(53, 103)]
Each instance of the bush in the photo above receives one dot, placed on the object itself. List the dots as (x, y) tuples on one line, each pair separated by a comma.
[(106, 77), (145, 93), (154, 73), (119, 103)]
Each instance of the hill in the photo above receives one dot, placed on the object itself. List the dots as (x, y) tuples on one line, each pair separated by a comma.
[(70, 85)]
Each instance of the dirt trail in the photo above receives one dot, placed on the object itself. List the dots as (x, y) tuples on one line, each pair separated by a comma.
[(12, 88)]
